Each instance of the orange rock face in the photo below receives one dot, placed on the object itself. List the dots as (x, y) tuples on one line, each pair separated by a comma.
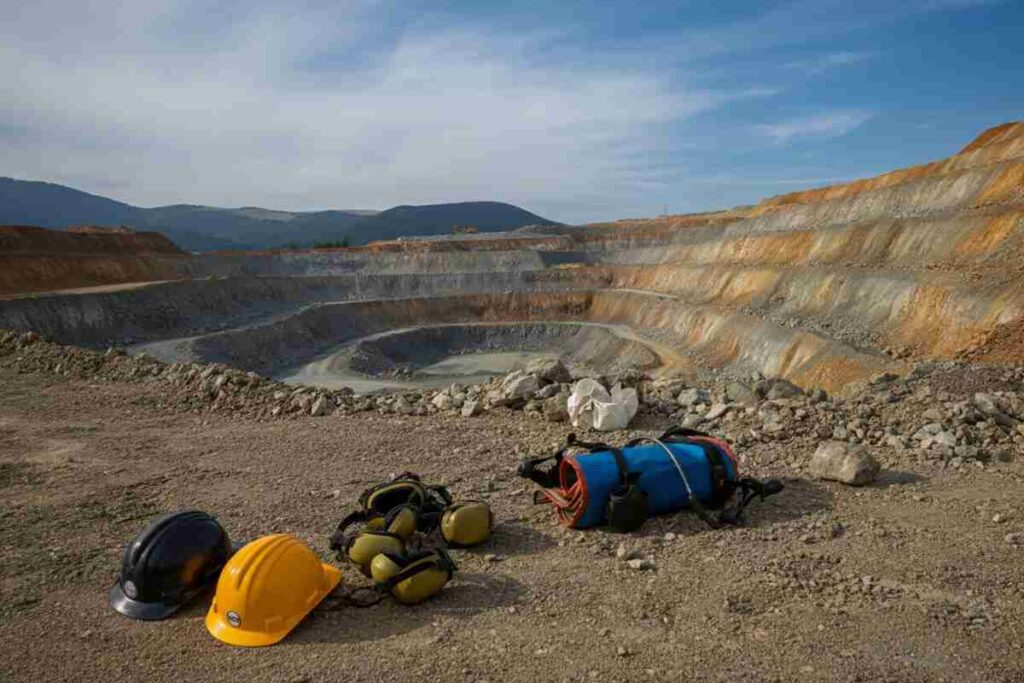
[(826, 287), (36, 259)]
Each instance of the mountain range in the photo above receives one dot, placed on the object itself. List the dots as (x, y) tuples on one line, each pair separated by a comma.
[(206, 228)]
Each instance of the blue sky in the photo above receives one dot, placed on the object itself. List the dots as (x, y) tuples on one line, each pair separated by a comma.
[(578, 111)]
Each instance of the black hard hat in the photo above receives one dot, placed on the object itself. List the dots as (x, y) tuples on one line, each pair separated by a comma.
[(170, 563)]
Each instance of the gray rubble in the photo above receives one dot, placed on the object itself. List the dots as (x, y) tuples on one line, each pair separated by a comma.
[(930, 417)]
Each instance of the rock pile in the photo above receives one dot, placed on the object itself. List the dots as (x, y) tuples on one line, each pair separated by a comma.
[(542, 388), (935, 415), (952, 425)]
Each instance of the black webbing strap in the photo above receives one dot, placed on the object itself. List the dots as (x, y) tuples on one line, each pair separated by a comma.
[(547, 478), (343, 595), (625, 476), (673, 432), (339, 536), (443, 562), (441, 496), (749, 490), (721, 486)]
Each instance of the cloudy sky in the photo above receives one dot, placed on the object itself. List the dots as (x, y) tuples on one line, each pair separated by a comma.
[(577, 111)]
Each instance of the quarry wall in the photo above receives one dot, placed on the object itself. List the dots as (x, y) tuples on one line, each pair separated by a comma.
[(825, 287)]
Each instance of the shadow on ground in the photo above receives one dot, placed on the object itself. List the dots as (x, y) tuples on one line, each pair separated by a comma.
[(799, 498), (514, 538), (897, 478), (336, 620)]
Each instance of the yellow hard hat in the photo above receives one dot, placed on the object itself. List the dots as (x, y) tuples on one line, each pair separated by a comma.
[(266, 589)]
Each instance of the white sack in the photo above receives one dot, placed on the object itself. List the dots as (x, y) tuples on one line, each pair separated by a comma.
[(581, 399), (590, 405)]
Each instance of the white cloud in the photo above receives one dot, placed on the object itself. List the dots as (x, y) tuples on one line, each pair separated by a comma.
[(368, 103), (267, 109), (824, 125)]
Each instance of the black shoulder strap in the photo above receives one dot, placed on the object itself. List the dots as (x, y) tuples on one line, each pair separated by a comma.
[(548, 478), (339, 536), (625, 476), (721, 486), (442, 561), (440, 494), (750, 489), (673, 433)]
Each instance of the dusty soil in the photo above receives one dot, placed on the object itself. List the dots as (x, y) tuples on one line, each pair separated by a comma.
[(911, 579)]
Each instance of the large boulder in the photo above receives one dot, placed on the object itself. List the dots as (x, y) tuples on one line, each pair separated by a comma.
[(519, 385), (627, 377), (302, 401), (986, 403), (844, 462), (402, 406), (995, 409), (549, 370), (691, 421)]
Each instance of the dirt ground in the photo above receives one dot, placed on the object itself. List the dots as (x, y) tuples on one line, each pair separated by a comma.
[(912, 579)]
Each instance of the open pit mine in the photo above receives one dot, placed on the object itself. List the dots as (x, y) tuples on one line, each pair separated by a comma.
[(825, 288), (856, 351)]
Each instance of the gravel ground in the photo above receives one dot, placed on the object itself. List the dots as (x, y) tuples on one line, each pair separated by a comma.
[(916, 578)]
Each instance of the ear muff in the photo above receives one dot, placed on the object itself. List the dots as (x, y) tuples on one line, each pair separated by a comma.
[(412, 579), (377, 534), (402, 521), (466, 524), (362, 548)]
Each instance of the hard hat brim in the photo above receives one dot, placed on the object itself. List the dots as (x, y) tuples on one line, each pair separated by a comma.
[(143, 611), (224, 632)]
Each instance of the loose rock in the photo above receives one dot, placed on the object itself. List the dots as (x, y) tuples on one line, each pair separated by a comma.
[(845, 463)]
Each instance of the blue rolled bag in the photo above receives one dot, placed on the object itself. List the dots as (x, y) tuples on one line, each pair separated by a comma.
[(622, 486)]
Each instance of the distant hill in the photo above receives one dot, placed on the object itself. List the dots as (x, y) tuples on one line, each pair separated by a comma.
[(205, 228), (440, 219)]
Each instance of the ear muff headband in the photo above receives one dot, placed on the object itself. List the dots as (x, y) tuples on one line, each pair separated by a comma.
[(386, 497)]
